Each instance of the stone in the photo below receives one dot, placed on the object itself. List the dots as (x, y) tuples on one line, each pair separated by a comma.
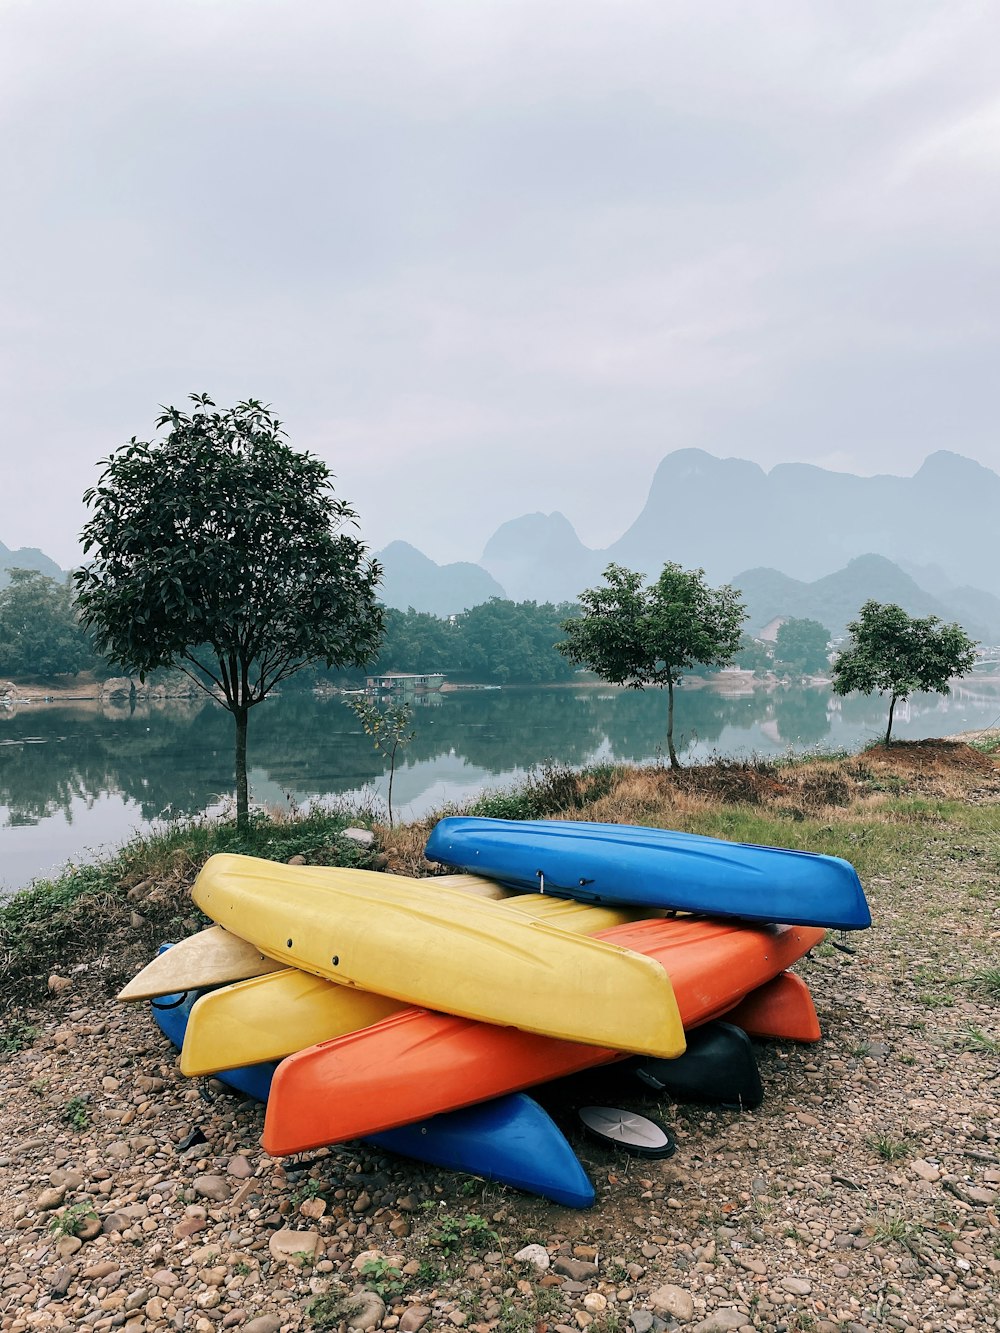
[(49, 1199), (595, 1302), (239, 1168), (265, 1323), (641, 1320), (536, 1255), (60, 1283), (293, 1247), (368, 1311), (925, 1170), (798, 1286), (216, 1188), (58, 985), (577, 1270), (673, 1301), (414, 1318), (362, 836), (722, 1321)]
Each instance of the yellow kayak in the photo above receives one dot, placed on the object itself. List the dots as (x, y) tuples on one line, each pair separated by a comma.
[(216, 957), (440, 948), (269, 1017)]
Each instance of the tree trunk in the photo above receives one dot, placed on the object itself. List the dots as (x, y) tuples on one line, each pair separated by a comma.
[(674, 761), (392, 774), (242, 792), (892, 706)]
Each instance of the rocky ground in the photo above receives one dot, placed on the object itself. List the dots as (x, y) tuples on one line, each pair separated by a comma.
[(862, 1195)]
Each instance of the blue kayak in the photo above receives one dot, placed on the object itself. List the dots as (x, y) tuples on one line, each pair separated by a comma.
[(655, 868), (511, 1140)]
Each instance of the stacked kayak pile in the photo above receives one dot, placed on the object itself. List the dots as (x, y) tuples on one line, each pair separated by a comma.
[(413, 1013)]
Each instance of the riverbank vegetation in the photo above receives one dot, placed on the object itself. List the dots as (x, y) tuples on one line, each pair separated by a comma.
[(883, 809)]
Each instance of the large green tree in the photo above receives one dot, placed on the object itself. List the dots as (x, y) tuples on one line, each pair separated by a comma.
[(40, 634), (507, 641), (638, 635), (896, 654), (802, 645), (222, 551)]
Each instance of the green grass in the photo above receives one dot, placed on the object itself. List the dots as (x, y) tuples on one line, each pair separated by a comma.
[(76, 1113), (986, 981), (71, 1221), (888, 1148), (453, 1235), (16, 1035), (58, 919)]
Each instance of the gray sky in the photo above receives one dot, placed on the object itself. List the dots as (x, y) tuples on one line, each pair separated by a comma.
[(488, 257)]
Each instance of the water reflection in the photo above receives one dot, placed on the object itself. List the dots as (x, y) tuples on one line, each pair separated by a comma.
[(87, 765)]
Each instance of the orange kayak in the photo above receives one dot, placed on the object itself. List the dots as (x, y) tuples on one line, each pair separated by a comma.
[(419, 1063), (782, 1010)]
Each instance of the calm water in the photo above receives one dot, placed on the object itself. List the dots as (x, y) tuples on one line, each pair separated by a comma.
[(77, 778)]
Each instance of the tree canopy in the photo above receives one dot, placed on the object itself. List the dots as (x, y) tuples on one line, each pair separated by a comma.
[(893, 653), (639, 636), (222, 551), (40, 633), (802, 645)]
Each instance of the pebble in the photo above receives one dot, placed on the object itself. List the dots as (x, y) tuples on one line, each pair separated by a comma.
[(781, 1219)]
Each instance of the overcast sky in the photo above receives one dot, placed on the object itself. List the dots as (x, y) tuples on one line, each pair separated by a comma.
[(488, 258)]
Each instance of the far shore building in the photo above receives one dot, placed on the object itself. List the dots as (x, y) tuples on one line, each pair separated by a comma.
[(405, 682)]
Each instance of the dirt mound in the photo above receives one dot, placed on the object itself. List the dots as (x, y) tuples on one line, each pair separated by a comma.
[(941, 757)]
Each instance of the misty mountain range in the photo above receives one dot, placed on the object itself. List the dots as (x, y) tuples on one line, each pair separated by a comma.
[(797, 541)]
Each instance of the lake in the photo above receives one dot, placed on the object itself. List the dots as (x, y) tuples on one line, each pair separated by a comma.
[(76, 778)]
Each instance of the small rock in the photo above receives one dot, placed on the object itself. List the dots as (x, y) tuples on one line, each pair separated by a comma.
[(265, 1323), (722, 1321), (363, 1202), (798, 1286), (925, 1170), (216, 1188), (641, 1320), (673, 1301), (362, 836), (57, 984), (414, 1318), (595, 1302), (239, 1168), (293, 1247), (537, 1255), (577, 1270), (368, 1311), (49, 1199)]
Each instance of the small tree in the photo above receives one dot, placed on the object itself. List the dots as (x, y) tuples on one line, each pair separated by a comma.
[(635, 635), (221, 551), (896, 654), (389, 727), (802, 645)]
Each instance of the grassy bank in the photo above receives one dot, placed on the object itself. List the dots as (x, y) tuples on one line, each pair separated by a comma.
[(932, 802)]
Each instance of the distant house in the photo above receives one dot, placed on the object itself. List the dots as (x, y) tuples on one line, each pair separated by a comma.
[(404, 682)]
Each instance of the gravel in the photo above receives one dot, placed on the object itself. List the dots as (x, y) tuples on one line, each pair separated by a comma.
[(862, 1195)]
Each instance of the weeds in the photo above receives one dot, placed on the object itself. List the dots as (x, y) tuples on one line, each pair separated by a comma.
[(76, 1113), (986, 981), (893, 1225), (453, 1234), (72, 1220), (384, 1278), (16, 1035), (331, 1309), (973, 1038), (888, 1148)]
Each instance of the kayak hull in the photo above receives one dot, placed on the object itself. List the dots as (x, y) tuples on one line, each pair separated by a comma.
[(656, 868), (445, 949), (511, 1140), (269, 1017), (418, 1063)]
